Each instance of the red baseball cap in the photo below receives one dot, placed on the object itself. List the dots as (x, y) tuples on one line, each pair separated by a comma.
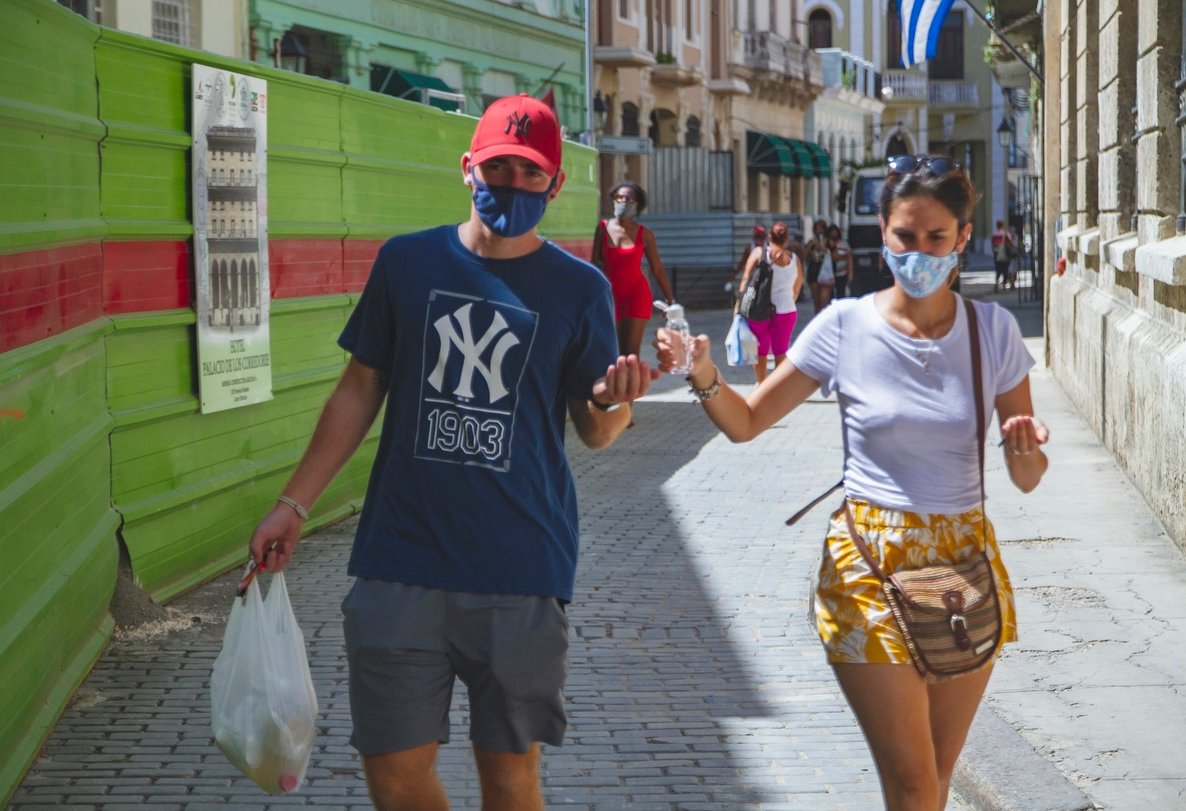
[(521, 126)]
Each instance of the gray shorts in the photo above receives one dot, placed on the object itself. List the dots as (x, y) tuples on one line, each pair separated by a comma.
[(406, 645)]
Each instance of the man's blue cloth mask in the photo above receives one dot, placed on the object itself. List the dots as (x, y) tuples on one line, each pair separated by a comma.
[(507, 211)]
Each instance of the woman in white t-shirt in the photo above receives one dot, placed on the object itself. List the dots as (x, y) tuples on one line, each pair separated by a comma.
[(774, 334), (911, 466)]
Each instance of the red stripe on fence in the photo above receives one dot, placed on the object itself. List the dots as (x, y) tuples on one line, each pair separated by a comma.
[(44, 293), (140, 277)]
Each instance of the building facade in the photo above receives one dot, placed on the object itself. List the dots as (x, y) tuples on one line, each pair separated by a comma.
[(841, 119), (872, 107), (218, 26), (453, 54), (700, 99), (457, 55), (1113, 140)]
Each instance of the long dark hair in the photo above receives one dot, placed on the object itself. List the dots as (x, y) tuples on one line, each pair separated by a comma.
[(953, 189)]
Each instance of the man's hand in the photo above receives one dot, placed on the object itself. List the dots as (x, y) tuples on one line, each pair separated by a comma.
[(626, 380), (275, 538)]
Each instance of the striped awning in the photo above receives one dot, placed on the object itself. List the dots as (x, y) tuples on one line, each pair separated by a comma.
[(776, 155), (820, 159)]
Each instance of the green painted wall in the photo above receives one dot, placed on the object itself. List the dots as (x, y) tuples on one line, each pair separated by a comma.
[(57, 529), (524, 41), (94, 144), (57, 544), (49, 167)]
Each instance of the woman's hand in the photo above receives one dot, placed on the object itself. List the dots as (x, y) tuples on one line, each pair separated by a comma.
[(1023, 434), (702, 366), (1022, 440)]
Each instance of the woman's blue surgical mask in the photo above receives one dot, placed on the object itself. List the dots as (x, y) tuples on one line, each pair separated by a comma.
[(920, 274), (507, 211), (624, 209)]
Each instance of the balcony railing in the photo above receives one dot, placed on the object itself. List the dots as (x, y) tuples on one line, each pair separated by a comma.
[(905, 85), (953, 93), (841, 69), (767, 51)]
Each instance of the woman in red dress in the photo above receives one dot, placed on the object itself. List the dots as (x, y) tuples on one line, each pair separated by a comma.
[(619, 245)]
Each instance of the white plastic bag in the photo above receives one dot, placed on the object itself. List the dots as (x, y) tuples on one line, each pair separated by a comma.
[(827, 272), (264, 708), (741, 347)]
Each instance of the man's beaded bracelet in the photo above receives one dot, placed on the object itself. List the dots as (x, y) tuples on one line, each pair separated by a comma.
[(704, 395), (301, 512)]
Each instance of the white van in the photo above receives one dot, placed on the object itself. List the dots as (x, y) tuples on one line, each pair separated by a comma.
[(864, 232)]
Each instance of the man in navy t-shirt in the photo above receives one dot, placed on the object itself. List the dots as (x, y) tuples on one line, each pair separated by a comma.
[(479, 337)]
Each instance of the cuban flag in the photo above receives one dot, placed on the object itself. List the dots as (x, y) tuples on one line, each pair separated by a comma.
[(921, 21)]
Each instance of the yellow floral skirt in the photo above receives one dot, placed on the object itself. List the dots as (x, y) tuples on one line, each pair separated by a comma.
[(854, 622)]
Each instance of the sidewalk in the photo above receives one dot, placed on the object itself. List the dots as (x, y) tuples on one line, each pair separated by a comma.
[(696, 682)]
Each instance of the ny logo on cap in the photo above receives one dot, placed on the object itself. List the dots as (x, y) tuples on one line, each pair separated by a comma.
[(520, 123)]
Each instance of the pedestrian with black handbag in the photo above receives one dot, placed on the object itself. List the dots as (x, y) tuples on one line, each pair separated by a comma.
[(770, 285), (913, 602)]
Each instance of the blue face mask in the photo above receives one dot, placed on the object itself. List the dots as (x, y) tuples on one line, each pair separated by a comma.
[(920, 274), (507, 211)]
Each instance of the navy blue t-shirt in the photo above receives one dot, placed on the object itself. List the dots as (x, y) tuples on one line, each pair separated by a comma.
[(471, 490)]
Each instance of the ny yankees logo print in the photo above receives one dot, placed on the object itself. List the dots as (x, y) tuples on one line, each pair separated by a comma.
[(474, 356), (520, 123), (471, 353)]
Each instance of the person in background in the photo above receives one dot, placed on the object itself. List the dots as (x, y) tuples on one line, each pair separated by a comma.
[(841, 261), (774, 334), (478, 337), (817, 250), (758, 241), (911, 464), (619, 245), (1002, 255), (1015, 257)]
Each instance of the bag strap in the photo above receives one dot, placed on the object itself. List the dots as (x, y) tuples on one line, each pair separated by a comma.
[(977, 389), (978, 394), (794, 518)]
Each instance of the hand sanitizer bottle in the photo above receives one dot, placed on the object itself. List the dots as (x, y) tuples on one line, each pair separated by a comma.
[(678, 324)]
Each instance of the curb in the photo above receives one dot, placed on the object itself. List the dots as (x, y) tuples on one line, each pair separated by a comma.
[(999, 771)]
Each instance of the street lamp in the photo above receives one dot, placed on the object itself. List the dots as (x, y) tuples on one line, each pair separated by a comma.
[(293, 55), (1005, 133)]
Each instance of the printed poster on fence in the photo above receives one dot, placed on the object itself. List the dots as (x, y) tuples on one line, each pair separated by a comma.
[(230, 212)]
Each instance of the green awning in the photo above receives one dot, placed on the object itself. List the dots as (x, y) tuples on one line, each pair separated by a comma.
[(802, 157), (820, 158), (774, 155), (404, 84)]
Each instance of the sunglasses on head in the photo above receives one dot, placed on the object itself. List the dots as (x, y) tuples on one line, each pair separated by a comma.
[(905, 164)]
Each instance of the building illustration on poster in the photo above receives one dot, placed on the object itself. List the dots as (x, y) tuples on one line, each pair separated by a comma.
[(233, 228), (230, 238)]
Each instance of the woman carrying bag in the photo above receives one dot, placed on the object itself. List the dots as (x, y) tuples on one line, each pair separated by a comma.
[(817, 254), (912, 468), (774, 333)]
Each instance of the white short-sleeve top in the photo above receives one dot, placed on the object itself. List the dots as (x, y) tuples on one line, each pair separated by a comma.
[(906, 403)]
